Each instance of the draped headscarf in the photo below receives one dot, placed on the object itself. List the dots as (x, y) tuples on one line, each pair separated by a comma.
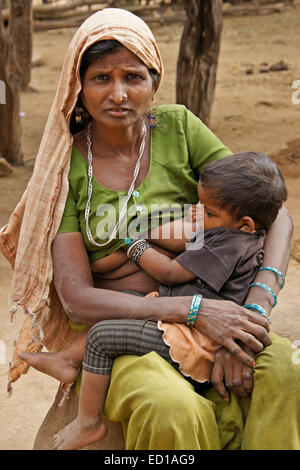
[(26, 240)]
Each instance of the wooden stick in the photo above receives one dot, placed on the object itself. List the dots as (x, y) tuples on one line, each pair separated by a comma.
[(75, 22), (60, 11), (237, 10)]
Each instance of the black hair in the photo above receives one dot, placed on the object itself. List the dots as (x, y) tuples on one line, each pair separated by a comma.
[(246, 184), (90, 56)]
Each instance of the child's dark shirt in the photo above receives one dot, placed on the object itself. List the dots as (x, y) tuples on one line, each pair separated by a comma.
[(225, 264)]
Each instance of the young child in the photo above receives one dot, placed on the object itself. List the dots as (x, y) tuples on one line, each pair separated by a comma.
[(242, 195)]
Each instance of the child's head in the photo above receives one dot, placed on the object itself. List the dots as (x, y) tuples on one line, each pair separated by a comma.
[(243, 191)]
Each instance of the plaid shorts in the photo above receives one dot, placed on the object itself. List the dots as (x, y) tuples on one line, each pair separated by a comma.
[(109, 339)]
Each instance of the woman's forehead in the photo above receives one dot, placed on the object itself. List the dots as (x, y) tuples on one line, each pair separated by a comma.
[(123, 57)]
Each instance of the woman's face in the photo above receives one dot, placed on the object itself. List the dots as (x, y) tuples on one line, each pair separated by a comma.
[(117, 89)]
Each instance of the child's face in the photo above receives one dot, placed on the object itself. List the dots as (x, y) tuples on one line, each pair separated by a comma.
[(213, 215)]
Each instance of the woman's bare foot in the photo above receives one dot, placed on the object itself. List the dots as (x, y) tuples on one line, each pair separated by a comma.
[(53, 364), (79, 434)]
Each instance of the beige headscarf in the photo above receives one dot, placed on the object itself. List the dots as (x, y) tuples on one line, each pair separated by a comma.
[(26, 240)]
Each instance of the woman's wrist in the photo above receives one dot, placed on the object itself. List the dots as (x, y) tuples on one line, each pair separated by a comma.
[(171, 309), (194, 310), (261, 298), (259, 295), (277, 249)]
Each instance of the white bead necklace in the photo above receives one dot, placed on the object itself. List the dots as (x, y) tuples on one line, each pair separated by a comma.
[(90, 186)]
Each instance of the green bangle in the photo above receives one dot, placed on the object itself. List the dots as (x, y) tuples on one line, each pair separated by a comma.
[(194, 309), (276, 271), (258, 308), (267, 288)]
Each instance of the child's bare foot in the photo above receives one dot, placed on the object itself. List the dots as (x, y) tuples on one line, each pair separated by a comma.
[(78, 434), (53, 364)]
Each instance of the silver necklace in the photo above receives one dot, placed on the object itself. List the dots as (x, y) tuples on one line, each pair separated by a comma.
[(90, 186)]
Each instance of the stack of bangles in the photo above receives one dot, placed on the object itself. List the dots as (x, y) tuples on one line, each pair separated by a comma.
[(257, 307), (194, 310), (136, 248)]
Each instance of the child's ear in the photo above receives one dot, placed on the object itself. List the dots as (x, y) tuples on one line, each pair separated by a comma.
[(246, 224)]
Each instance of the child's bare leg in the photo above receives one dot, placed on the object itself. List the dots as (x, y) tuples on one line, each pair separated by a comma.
[(88, 427), (106, 341), (63, 365)]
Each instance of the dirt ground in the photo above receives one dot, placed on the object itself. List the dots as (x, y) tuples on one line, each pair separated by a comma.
[(251, 112)]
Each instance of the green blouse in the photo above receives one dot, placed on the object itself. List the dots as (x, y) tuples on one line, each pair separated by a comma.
[(181, 145)]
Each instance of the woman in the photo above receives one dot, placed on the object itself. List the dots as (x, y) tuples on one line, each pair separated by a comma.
[(110, 96)]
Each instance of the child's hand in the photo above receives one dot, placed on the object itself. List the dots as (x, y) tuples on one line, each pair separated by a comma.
[(191, 212), (152, 295), (195, 219), (195, 213)]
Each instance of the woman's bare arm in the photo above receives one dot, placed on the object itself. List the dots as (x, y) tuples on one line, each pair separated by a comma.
[(277, 253)]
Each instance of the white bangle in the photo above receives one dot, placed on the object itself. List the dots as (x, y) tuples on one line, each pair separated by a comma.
[(132, 245)]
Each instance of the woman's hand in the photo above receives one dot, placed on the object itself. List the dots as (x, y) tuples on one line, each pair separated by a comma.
[(230, 374), (226, 323)]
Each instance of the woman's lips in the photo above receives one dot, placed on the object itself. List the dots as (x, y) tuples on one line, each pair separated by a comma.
[(118, 112)]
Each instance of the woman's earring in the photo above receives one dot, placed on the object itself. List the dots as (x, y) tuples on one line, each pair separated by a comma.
[(78, 114), (152, 116)]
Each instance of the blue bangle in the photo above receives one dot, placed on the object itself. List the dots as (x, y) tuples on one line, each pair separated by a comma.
[(194, 309), (259, 309), (276, 271), (267, 288)]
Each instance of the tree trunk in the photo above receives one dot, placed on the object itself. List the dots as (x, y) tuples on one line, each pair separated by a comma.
[(21, 31), (198, 56), (10, 125)]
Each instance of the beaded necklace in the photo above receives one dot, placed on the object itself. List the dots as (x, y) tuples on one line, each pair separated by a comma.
[(90, 186)]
